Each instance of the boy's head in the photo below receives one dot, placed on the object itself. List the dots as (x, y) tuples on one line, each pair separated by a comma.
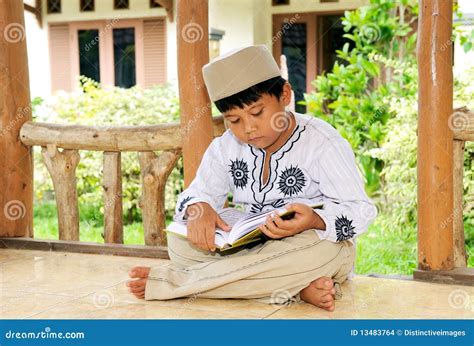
[(247, 87)]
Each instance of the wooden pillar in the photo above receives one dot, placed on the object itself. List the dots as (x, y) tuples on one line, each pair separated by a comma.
[(16, 164), (435, 139), (195, 106)]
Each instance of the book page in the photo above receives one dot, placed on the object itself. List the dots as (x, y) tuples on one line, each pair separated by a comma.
[(231, 215)]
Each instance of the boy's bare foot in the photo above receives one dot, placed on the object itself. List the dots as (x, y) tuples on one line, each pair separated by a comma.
[(137, 286), (320, 293)]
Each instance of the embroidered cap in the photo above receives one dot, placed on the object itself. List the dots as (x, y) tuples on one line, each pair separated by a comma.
[(238, 70)]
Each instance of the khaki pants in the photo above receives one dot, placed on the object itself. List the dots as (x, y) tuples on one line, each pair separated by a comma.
[(273, 272)]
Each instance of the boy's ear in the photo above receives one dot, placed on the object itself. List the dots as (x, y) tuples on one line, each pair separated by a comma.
[(285, 97)]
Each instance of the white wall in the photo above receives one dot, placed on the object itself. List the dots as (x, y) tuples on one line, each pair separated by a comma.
[(245, 22), (38, 57), (235, 17)]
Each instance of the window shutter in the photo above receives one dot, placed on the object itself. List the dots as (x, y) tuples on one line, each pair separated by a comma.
[(154, 47), (59, 51)]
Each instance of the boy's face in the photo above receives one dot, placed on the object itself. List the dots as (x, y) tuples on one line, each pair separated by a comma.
[(263, 122)]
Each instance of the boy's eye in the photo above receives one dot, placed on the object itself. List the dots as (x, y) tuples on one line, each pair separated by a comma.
[(234, 121), (258, 113)]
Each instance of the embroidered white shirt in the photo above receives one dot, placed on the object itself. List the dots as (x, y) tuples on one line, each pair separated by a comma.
[(315, 165)]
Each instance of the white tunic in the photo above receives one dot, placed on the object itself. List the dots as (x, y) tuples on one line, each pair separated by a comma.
[(315, 165)]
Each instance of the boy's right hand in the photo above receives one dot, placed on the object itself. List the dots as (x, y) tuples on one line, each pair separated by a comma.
[(202, 223)]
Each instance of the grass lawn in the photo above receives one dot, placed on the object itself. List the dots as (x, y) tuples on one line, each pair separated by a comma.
[(379, 250)]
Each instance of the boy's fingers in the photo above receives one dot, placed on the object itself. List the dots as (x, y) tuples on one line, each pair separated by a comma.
[(222, 225), (272, 227), (280, 223), (210, 238), (298, 208), (267, 232)]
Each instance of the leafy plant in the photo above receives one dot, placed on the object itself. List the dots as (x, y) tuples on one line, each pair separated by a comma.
[(353, 96), (95, 106)]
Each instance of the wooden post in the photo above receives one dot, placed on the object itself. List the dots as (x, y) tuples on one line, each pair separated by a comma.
[(435, 139), (16, 160), (155, 170), (62, 168), (113, 209), (195, 106)]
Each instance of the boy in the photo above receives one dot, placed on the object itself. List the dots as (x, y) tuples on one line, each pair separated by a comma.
[(268, 158)]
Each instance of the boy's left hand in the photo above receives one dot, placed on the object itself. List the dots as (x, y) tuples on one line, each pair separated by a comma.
[(305, 218)]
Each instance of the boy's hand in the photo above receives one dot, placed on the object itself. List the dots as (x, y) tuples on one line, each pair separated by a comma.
[(305, 218), (202, 222)]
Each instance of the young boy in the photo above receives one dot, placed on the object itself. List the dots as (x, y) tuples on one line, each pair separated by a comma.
[(268, 158)]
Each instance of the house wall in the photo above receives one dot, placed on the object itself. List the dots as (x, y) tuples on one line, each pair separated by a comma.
[(38, 57), (263, 22), (245, 22)]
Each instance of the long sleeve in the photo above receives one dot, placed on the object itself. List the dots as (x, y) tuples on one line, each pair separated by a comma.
[(210, 184), (347, 210)]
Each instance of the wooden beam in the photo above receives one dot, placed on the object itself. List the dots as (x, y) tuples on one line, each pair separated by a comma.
[(16, 160), (84, 247), (435, 139), (114, 138), (462, 124), (195, 106), (62, 168), (155, 170), (460, 256), (113, 208), (36, 10), (168, 6), (457, 276)]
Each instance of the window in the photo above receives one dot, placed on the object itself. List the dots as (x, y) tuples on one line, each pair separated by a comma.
[(89, 62), (87, 5), (54, 6), (154, 4), (108, 52), (280, 2), (124, 57), (121, 4), (293, 43), (331, 41)]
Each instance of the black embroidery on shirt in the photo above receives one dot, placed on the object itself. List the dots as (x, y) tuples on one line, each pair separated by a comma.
[(183, 202), (240, 172), (259, 207), (344, 228), (291, 181), (294, 138)]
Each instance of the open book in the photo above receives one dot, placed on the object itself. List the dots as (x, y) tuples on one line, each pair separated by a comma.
[(244, 226)]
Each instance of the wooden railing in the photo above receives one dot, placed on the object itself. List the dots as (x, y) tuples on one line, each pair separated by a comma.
[(155, 170), (462, 124)]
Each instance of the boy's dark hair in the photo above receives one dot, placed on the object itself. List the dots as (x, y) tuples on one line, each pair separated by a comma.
[(272, 86)]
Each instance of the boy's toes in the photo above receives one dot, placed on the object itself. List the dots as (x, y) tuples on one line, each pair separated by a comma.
[(320, 293), (139, 272), (327, 303), (324, 283)]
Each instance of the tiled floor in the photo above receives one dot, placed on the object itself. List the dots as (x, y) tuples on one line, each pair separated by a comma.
[(45, 285)]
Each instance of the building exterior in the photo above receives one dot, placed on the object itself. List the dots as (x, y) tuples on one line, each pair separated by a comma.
[(133, 42), (128, 42)]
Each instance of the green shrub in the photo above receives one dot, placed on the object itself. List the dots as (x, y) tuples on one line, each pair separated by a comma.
[(94, 106), (399, 154)]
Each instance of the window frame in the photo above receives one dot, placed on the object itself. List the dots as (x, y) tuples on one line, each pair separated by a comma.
[(116, 2), (106, 49), (81, 6), (49, 10)]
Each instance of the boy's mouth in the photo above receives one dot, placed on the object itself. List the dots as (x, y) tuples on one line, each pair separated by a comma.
[(254, 139)]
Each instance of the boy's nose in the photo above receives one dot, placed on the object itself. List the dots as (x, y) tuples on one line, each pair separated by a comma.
[(249, 127)]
